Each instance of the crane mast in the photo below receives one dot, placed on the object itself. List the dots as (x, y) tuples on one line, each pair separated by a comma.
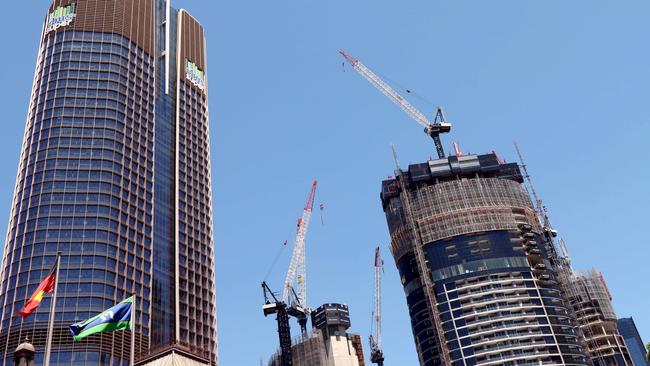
[(376, 353), (439, 125), (273, 305), (297, 268)]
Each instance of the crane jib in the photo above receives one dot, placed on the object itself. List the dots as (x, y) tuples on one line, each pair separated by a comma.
[(433, 129)]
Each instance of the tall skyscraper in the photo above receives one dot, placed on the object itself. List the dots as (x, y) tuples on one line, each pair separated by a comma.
[(114, 173), (635, 345), (475, 267)]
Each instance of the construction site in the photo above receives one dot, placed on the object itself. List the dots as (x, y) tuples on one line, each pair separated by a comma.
[(327, 342), (471, 245), (487, 279)]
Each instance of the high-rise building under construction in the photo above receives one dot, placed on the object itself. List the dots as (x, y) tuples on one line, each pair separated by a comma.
[(592, 305), (474, 264), (114, 173)]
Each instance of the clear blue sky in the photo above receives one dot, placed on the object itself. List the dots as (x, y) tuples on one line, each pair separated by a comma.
[(570, 80)]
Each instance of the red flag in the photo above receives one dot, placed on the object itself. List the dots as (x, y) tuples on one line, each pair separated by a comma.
[(46, 286)]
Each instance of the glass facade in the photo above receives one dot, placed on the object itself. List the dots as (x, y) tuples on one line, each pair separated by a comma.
[(163, 313), (111, 120), (633, 341)]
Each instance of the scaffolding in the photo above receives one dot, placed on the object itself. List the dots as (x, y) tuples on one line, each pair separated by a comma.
[(459, 207), (439, 210), (586, 295), (591, 302)]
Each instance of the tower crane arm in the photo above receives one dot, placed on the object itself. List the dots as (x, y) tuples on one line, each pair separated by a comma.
[(388, 91), (434, 129)]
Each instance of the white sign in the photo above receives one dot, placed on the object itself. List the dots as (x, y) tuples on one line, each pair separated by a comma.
[(194, 74), (60, 17)]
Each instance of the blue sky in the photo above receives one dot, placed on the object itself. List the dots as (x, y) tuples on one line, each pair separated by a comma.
[(569, 80)]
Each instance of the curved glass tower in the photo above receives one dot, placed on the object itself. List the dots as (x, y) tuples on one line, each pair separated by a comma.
[(475, 269), (114, 173)]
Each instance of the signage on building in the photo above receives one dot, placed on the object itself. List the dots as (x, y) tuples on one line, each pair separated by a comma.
[(194, 74), (60, 17)]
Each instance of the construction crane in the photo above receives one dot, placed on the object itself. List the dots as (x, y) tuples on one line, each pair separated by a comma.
[(538, 202), (297, 273), (433, 129), (279, 307), (549, 232), (376, 353)]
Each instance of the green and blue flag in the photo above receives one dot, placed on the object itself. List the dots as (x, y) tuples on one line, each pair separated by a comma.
[(116, 318)]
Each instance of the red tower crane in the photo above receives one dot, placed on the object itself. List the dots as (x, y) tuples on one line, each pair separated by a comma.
[(297, 271)]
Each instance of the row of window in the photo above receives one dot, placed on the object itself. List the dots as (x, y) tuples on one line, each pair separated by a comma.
[(75, 186), (73, 359), (118, 53), (91, 66), (67, 101), (75, 153), (95, 37), (87, 132), (87, 164), (81, 85), (110, 124), (99, 142)]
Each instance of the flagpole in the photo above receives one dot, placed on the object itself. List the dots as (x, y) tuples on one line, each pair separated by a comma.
[(50, 328), (133, 331)]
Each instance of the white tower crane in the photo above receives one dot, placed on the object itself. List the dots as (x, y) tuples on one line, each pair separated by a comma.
[(433, 129), (376, 353), (296, 296)]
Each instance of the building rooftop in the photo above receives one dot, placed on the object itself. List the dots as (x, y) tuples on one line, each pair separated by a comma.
[(331, 314), (451, 168)]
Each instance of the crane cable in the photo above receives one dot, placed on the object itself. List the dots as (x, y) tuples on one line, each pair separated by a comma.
[(275, 260), (403, 88)]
